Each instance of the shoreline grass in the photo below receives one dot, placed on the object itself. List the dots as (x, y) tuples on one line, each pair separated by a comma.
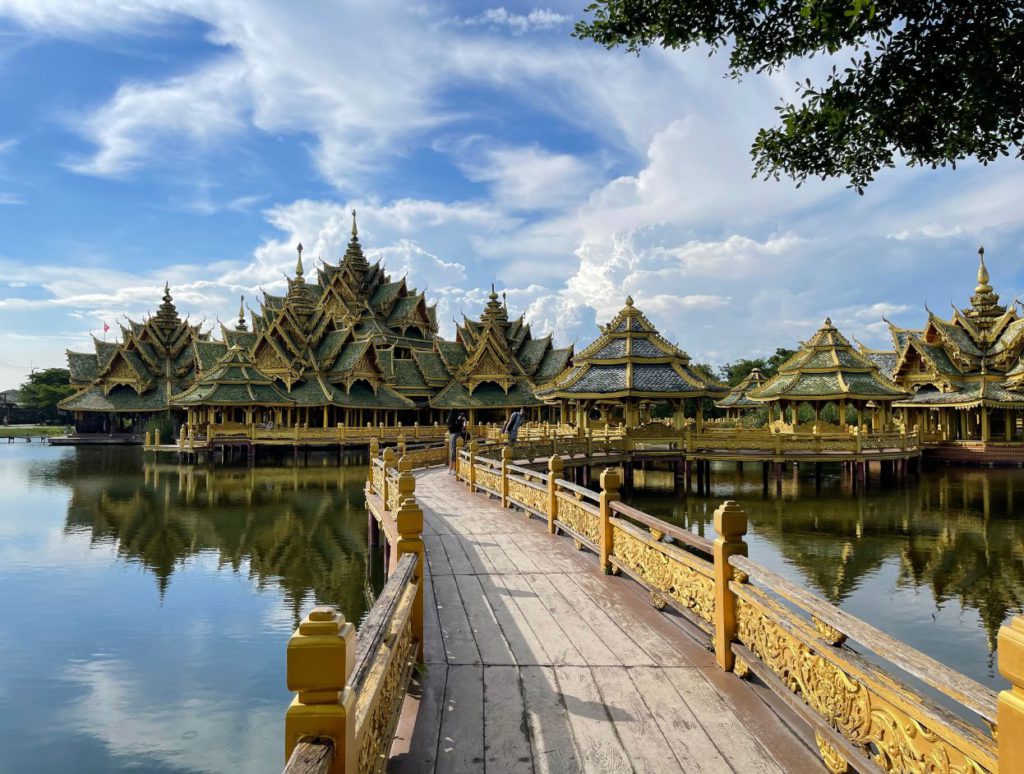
[(22, 431)]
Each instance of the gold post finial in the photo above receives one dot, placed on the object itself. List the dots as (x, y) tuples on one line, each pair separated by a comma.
[(298, 264), (355, 231), (982, 269), (629, 300), (241, 309)]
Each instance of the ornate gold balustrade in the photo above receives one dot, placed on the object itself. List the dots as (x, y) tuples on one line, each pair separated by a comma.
[(339, 434), (350, 687), (848, 681)]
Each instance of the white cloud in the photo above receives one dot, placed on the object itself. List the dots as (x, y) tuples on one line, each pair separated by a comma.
[(10, 198), (145, 124), (519, 23)]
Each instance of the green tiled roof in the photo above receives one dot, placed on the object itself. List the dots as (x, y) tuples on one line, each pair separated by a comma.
[(349, 356), (403, 308), (234, 380), (386, 293), (487, 395), (82, 367), (330, 345), (105, 351), (120, 398), (554, 362), (407, 374), (737, 397), (886, 362), (826, 368), (430, 365), (209, 352), (453, 353), (363, 396)]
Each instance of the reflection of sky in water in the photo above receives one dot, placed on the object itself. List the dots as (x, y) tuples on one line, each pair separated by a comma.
[(938, 563), (106, 672)]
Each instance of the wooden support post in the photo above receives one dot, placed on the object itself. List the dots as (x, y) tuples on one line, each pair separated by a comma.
[(409, 523), (1010, 708), (321, 657), (731, 526), (555, 468), (147, 444), (473, 447), (506, 460), (609, 494), (459, 444)]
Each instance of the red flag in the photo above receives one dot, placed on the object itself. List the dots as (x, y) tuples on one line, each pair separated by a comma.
[(105, 327)]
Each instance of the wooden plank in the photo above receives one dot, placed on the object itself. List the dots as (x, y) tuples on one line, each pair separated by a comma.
[(313, 756), (459, 645), (433, 642), (638, 731), (437, 557), (415, 745), (491, 550), (552, 743), (461, 744), (600, 749), (506, 744), (490, 640), (691, 746), (378, 621), (519, 557), (719, 720), (633, 614), (617, 638), (456, 554), (474, 555), (556, 644), (586, 640), (525, 646)]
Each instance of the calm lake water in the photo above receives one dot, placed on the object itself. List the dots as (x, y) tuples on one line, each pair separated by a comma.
[(144, 609)]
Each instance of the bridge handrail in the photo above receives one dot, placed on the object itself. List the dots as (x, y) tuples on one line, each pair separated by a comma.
[(656, 525)]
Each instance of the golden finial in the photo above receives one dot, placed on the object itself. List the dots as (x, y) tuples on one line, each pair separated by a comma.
[(629, 300), (982, 270), (355, 231), (298, 264), (828, 322), (167, 292), (241, 309)]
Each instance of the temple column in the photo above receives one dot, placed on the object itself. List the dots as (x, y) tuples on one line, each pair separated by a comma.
[(1007, 425), (325, 416), (963, 425), (700, 416), (984, 424)]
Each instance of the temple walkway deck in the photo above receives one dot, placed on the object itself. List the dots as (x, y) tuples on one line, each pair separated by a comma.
[(537, 662)]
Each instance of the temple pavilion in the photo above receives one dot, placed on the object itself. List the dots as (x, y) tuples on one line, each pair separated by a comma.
[(348, 346), (738, 399), (625, 372), (827, 369), (965, 375), (120, 385)]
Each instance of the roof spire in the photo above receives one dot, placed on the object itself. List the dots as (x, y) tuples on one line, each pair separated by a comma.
[(985, 306), (982, 272), (354, 254), (241, 315), (629, 300), (355, 230), (298, 264), (167, 313)]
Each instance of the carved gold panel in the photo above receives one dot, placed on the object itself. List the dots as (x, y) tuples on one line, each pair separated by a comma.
[(522, 494), (581, 519), (486, 477), (659, 568), (891, 734)]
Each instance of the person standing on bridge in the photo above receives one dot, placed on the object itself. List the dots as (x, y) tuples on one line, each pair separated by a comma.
[(456, 429), (513, 424)]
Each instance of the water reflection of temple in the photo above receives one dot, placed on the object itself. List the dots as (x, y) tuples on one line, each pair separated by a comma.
[(953, 533), (301, 528)]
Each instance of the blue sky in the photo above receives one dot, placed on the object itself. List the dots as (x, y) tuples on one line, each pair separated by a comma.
[(197, 142)]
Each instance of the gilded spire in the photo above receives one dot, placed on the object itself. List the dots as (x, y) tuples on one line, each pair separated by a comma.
[(629, 300), (985, 307), (168, 313), (241, 315), (298, 264), (354, 254), (355, 230)]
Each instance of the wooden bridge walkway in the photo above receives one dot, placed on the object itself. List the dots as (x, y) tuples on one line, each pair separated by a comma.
[(537, 662)]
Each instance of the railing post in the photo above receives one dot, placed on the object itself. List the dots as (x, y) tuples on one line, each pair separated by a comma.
[(506, 459), (321, 657), (401, 446), (555, 468), (473, 447), (610, 482), (1010, 709), (731, 526), (858, 441), (459, 444), (415, 429), (409, 523), (147, 443), (156, 437)]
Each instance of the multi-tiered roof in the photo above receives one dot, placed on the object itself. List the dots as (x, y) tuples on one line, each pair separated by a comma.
[(354, 338), (631, 360), (828, 368), (738, 397), (972, 359), (155, 360)]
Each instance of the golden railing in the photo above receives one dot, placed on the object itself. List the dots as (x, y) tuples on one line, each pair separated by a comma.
[(846, 679), (351, 687)]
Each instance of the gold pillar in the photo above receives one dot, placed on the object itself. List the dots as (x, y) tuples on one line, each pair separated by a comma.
[(984, 423)]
